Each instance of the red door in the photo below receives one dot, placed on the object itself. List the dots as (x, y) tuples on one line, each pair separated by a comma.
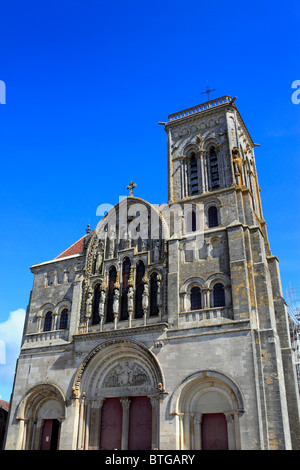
[(111, 424), (140, 424), (214, 432), (50, 434)]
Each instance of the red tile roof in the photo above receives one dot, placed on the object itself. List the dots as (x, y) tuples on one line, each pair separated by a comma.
[(74, 249), (4, 405)]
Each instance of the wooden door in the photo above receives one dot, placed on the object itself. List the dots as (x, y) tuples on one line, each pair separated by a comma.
[(111, 424), (50, 434), (140, 424), (214, 432)]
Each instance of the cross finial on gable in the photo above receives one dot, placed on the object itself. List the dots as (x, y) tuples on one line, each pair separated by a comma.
[(131, 186)]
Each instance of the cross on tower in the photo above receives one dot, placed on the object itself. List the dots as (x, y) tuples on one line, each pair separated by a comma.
[(208, 91), (131, 186)]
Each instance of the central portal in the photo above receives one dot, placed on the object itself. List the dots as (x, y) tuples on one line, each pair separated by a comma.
[(117, 422)]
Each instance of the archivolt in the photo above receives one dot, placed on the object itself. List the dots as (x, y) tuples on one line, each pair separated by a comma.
[(36, 397), (191, 384), (111, 350)]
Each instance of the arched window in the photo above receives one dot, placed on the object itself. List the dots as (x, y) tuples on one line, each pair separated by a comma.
[(95, 310), (214, 170), (153, 295), (139, 289), (191, 220), (124, 299), (195, 298), (48, 321), (63, 324), (194, 188), (110, 295), (213, 217), (219, 295)]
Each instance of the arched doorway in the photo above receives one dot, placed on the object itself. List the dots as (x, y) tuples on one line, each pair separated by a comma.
[(118, 386), (40, 414), (208, 408)]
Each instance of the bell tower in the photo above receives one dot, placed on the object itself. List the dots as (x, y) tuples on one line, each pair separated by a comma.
[(211, 165), (210, 149)]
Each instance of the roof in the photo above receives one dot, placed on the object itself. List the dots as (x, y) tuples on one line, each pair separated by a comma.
[(4, 405), (74, 249)]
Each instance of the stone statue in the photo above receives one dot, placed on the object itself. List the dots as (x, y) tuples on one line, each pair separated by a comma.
[(130, 299), (89, 303), (116, 302), (145, 299), (101, 303)]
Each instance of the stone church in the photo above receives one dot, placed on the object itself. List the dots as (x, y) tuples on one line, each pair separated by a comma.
[(165, 326)]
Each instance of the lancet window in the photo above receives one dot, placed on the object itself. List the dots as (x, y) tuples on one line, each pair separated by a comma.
[(194, 186), (214, 170), (124, 299), (139, 289), (95, 311), (111, 281), (153, 295)]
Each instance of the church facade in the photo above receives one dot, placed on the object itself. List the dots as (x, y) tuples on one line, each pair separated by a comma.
[(165, 327)]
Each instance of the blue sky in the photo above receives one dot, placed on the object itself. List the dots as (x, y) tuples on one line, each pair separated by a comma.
[(86, 84)]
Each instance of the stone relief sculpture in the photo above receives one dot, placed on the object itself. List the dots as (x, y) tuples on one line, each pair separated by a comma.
[(127, 373)]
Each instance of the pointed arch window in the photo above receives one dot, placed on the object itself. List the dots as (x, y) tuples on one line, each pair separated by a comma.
[(153, 295), (63, 323), (219, 295), (196, 298), (48, 321), (194, 187), (213, 217), (139, 289), (112, 276), (124, 299), (214, 169), (95, 311)]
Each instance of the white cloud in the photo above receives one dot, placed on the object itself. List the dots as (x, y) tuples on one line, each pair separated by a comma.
[(11, 332)]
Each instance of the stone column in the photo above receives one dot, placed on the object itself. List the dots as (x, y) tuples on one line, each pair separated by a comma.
[(181, 431), (87, 425), (80, 424), (125, 422), (197, 432), (155, 407), (230, 431), (192, 432)]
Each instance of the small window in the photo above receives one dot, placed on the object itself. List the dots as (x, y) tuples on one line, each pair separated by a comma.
[(63, 324), (48, 321), (191, 220), (195, 298), (219, 295), (213, 217)]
